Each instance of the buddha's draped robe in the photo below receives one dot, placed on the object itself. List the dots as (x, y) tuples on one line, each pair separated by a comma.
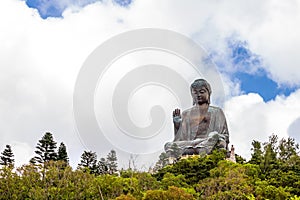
[(210, 133)]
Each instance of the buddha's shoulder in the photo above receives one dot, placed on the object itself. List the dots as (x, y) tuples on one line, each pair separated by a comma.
[(214, 108), (187, 111), (210, 109)]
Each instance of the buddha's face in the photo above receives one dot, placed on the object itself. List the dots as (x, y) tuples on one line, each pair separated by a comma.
[(200, 95)]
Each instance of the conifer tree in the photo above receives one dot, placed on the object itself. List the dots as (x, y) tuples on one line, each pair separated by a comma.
[(88, 160), (46, 149), (6, 157), (257, 155), (112, 162), (32, 161), (102, 167), (62, 153), (270, 154)]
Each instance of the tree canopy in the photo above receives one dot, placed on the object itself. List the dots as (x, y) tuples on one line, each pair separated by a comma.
[(7, 156), (272, 172)]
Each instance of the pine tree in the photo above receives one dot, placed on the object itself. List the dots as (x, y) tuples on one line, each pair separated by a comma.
[(102, 167), (112, 162), (32, 161), (6, 157), (88, 160), (46, 149), (62, 153)]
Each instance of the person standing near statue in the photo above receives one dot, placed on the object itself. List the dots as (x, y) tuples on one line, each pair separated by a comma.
[(202, 128)]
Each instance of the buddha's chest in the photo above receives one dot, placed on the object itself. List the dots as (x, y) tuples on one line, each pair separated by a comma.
[(200, 124)]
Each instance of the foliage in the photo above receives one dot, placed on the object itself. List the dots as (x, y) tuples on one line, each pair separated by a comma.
[(170, 194), (46, 149), (162, 161), (62, 153), (257, 155), (126, 197), (112, 164), (172, 180), (279, 162), (239, 159), (193, 168), (88, 162), (102, 166), (175, 151), (227, 181), (273, 172), (7, 156)]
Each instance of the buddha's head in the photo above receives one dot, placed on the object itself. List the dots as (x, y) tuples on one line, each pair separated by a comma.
[(200, 91)]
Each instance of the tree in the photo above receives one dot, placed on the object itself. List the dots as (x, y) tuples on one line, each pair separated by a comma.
[(162, 162), (170, 179), (102, 167), (112, 162), (172, 193), (62, 153), (239, 159), (88, 160), (6, 157), (193, 168), (257, 155), (270, 155), (46, 149), (32, 161), (175, 151), (287, 149), (227, 181)]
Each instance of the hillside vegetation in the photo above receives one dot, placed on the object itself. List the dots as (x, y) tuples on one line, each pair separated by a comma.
[(273, 172)]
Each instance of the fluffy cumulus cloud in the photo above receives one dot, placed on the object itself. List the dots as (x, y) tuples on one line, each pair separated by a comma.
[(271, 30), (250, 118), (40, 60)]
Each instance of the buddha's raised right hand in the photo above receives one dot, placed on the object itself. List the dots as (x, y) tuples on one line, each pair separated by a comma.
[(176, 119)]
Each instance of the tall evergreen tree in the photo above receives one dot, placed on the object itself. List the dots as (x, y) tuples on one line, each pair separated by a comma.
[(6, 157), (88, 160), (112, 162), (270, 155), (46, 149), (62, 153), (102, 167), (257, 155), (32, 161)]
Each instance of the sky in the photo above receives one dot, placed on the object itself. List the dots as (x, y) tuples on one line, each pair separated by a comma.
[(255, 46)]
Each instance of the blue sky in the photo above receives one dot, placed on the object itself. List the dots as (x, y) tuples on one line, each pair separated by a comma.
[(51, 8), (251, 73)]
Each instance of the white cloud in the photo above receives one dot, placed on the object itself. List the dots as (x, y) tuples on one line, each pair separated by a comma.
[(272, 31), (250, 118), (293, 130), (40, 60)]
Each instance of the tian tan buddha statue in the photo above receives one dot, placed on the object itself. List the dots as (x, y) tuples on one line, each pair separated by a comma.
[(202, 128)]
